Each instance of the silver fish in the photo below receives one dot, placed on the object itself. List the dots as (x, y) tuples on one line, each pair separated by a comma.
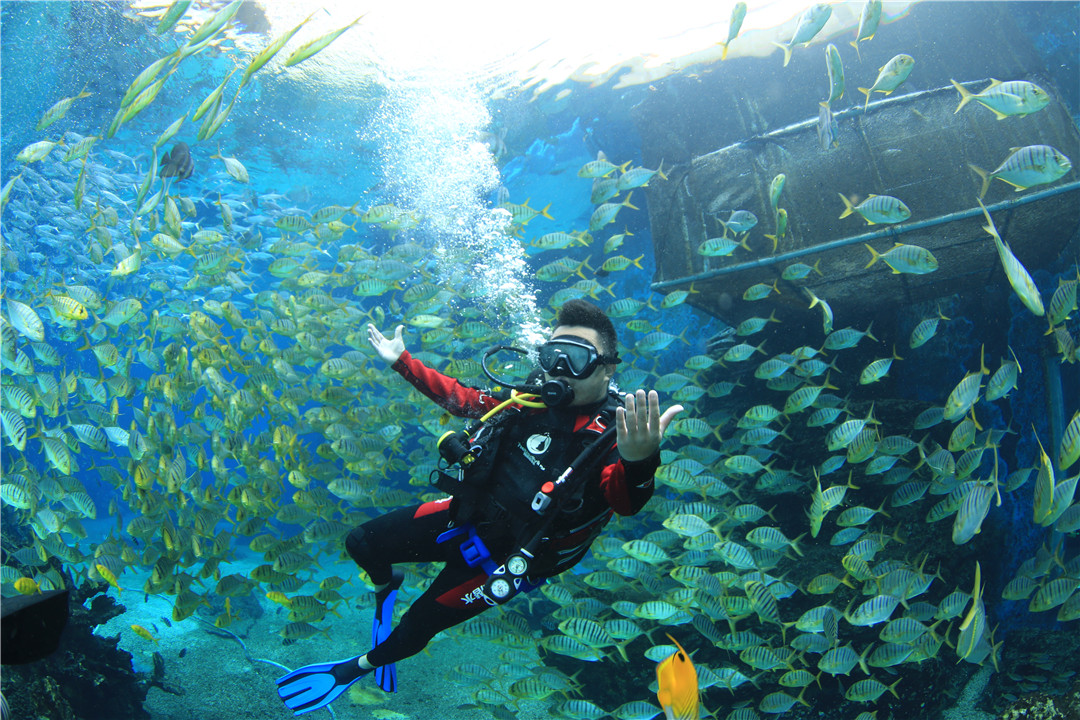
[(827, 129)]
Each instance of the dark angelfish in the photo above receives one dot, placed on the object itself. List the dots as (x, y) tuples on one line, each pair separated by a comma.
[(178, 163)]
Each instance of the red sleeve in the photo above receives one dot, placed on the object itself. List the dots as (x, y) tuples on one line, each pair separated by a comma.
[(447, 392), (628, 486)]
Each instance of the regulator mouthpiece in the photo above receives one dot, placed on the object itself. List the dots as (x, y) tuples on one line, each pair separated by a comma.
[(556, 393)]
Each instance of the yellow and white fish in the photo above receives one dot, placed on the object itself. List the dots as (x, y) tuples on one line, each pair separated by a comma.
[(868, 24), (1026, 167), (891, 76), (810, 24), (910, 259), (738, 14), (1018, 275), (877, 209), (1005, 99)]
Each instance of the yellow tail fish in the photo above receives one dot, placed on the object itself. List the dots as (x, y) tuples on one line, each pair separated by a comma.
[(144, 633), (108, 576)]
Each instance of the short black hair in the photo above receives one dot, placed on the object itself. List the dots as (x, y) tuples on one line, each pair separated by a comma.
[(583, 313)]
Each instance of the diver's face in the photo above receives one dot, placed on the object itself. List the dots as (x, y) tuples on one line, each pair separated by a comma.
[(592, 388)]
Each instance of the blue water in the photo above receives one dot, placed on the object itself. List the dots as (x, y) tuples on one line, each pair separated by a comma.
[(349, 127)]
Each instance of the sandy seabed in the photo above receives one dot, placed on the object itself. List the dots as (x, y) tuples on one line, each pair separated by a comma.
[(220, 679)]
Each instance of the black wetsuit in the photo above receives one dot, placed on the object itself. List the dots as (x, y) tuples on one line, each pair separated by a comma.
[(533, 447)]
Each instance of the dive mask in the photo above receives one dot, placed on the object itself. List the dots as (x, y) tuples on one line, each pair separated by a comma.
[(570, 356)]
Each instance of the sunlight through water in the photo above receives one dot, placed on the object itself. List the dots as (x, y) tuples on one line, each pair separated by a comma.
[(508, 46), (430, 134)]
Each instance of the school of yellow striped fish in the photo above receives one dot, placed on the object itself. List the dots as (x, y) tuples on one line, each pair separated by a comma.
[(181, 357)]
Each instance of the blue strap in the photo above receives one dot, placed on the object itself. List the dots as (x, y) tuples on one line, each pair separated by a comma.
[(473, 549), (476, 553), (452, 533)]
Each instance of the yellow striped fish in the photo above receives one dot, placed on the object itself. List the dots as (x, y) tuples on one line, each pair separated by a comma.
[(910, 259), (1069, 450), (1026, 167)]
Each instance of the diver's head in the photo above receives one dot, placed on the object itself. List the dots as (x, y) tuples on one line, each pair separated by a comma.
[(578, 361)]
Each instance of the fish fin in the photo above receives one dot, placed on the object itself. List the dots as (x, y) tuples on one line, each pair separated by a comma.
[(965, 95), (787, 51), (848, 208), (858, 53), (874, 256), (985, 177)]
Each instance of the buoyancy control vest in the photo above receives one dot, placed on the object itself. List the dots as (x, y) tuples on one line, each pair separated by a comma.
[(520, 450)]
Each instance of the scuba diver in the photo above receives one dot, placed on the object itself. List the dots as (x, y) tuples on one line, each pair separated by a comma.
[(531, 485)]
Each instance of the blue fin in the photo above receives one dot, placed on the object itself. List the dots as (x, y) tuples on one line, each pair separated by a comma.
[(314, 686), (386, 677), (381, 627)]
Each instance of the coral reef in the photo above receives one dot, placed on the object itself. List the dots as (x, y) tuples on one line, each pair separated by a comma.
[(87, 678), (965, 709), (1041, 706)]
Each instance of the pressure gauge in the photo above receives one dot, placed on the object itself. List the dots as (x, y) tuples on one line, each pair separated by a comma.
[(500, 588), (517, 566)]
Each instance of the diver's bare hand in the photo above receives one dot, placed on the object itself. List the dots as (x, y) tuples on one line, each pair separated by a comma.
[(389, 349), (640, 427)]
